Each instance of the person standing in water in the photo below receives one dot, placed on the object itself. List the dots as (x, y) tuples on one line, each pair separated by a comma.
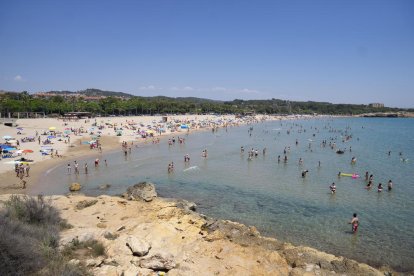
[(332, 188), (389, 185), (355, 223)]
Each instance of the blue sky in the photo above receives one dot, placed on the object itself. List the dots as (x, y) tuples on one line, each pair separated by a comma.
[(334, 51)]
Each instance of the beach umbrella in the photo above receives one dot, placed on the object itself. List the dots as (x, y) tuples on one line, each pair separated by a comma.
[(184, 126), (7, 137), (27, 151), (12, 141), (52, 128), (50, 137), (19, 128)]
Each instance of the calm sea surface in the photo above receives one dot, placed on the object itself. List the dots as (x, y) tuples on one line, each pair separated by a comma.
[(273, 196)]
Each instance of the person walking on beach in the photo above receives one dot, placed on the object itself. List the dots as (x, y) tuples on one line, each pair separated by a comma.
[(27, 170), (355, 223)]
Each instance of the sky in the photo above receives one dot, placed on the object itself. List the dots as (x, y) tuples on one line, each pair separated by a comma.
[(334, 51)]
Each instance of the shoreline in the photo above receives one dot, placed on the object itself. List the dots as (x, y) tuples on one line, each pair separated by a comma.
[(84, 151)]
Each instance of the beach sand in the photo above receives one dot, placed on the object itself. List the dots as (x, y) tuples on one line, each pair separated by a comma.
[(76, 148)]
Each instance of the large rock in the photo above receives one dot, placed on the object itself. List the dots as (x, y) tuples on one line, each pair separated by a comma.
[(74, 187), (142, 191), (138, 247), (159, 261)]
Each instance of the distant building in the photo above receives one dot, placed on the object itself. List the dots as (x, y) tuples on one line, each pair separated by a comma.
[(376, 105)]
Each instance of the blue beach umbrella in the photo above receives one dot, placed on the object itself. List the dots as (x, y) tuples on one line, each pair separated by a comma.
[(51, 136)]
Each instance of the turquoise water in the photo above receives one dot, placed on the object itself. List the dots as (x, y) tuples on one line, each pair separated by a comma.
[(273, 196)]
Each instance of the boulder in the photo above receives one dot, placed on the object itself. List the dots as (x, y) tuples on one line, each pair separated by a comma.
[(142, 191), (138, 247), (160, 261), (74, 187)]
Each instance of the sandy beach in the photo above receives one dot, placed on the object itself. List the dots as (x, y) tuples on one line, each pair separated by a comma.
[(71, 139)]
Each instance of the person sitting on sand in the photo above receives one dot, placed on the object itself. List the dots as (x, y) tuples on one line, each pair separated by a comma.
[(355, 223)]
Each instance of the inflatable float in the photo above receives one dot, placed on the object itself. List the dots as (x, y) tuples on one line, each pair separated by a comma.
[(353, 175)]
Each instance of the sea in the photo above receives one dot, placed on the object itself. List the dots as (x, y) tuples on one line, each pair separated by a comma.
[(273, 195)]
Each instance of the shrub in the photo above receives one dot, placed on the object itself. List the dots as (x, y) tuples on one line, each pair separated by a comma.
[(29, 236), (31, 210), (89, 248)]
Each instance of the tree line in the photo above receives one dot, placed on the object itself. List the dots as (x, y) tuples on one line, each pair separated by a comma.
[(60, 104)]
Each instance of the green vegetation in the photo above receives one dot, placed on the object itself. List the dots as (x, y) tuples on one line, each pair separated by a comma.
[(82, 250), (118, 103), (29, 231)]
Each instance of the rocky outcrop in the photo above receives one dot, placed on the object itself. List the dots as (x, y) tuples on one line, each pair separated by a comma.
[(143, 238), (138, 247), (74, 187), (141, 191), (159, 262)]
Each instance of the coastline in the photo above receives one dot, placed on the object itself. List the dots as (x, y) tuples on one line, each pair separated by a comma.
[(113, 142), (188, 241)]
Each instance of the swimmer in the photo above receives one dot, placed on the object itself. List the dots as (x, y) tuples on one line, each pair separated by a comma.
[(369, 185), (366, 176), (355, 223), (353, 160), (379, 188), (332, 188), (390, 185), (304, 173), (300, 161)]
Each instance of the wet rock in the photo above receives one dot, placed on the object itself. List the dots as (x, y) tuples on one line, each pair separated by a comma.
[(160, 261), (104, 186), (138, 247), (74, 187), (141, 191), (186, 205)]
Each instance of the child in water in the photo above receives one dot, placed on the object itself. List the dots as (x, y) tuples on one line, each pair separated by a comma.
[(355, 223)]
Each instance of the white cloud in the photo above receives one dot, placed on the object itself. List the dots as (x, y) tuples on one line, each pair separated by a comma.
[(188, 88), (248, 91), (149, 87), (18, 78)]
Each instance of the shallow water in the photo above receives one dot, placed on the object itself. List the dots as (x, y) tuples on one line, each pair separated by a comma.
[(273, 196)]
